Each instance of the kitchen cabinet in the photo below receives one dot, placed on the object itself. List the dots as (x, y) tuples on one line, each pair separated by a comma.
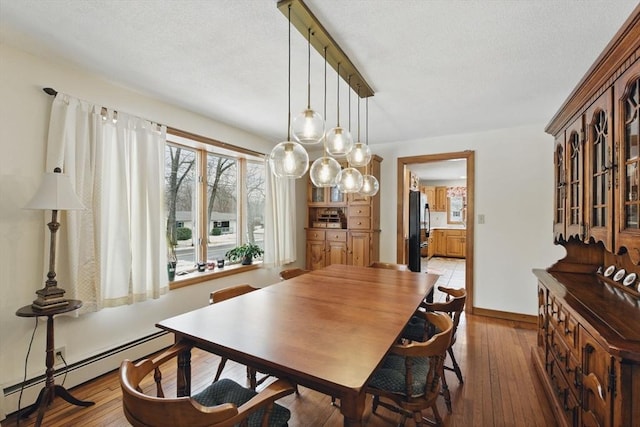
[(449, 243), (430, 196), (440, 204), (342, 228), (588, 347)]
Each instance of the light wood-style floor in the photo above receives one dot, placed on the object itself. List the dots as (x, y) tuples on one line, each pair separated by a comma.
[(500, 387)]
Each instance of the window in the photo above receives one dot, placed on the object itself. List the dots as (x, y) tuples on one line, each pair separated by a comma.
[(215, 200)]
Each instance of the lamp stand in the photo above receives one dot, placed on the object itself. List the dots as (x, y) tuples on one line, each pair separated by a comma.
[(51, 296)]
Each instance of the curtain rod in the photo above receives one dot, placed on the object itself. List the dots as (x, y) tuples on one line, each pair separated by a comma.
[(178, 132)]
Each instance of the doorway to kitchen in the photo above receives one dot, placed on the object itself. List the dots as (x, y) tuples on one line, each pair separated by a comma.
[(403, 186)]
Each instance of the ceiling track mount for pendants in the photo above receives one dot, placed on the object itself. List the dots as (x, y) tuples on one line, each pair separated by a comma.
[(304, 20)]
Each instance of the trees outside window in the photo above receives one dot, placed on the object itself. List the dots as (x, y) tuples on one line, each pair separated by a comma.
[(219, 197)]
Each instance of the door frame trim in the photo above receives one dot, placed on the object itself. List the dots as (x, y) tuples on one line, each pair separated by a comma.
[(403, 208)]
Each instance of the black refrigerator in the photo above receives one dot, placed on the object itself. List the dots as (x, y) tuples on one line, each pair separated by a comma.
[(414, 231)]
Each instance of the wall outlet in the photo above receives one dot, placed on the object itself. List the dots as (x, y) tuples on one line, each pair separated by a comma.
[(480, 218), (60, 356)]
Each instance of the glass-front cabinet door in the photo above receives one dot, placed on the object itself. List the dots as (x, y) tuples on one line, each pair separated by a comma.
[(575, 179), (599, 172), (628, 227), (560, 197)]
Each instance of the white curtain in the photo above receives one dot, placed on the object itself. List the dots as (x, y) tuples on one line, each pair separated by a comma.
[(112, 253), (280, 220)]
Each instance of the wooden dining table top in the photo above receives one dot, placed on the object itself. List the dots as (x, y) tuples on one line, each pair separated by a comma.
[(328, 329)]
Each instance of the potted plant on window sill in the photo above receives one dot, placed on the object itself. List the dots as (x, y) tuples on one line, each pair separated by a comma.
[(244, 253)]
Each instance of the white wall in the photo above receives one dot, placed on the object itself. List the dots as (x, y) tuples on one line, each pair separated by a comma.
[(513, 189), (24, 115)]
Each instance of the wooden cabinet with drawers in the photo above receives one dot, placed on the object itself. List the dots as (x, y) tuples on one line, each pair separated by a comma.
[(588, 348), (342, 228), (449, 243)]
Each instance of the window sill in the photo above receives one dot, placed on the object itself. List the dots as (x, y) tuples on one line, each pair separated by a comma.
[(199, 277)]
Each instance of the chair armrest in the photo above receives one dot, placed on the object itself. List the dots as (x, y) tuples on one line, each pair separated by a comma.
[(270, 394)]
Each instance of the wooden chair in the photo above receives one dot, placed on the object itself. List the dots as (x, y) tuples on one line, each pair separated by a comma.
[(408, 380), (389, 266), (225, 294), (415, 330), (291, 273), (223, 403)]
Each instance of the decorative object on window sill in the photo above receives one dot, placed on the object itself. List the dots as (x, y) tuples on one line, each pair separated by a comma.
[(244, 253), (55, 193), (289, 159), (308, 126)]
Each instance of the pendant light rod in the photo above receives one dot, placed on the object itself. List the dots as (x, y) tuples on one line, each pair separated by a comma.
[(358, 113), (309, 70), (349, 103), (324, 113), (289, 83), (338, 96), (303, 19)]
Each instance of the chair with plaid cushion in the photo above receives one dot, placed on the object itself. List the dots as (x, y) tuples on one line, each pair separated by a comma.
[(223, 403), (408, 380), (415, 330)]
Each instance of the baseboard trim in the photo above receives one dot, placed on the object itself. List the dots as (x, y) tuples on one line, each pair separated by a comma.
[(505, 315), (87, 369)]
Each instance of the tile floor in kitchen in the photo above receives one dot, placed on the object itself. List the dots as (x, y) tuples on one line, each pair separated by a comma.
[(451, 271)]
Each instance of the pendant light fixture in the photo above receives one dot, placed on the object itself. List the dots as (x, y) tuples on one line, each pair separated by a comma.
[(338, 140), (360, 155), (324, 170), (308, 126), (289, 159), (370, 184)]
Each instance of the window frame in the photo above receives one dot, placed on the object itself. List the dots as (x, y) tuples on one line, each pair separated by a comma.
[(203, 146)]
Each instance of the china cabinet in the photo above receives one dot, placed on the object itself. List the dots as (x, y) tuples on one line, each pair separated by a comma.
[(342, 228), (588, 349)]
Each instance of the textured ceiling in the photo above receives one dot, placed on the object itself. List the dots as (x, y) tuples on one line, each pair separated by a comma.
[(437, 67)]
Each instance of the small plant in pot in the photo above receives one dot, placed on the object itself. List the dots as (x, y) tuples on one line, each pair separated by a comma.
[(244, 253)]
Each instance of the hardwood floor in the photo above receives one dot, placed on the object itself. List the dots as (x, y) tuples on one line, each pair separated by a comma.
[(500, 387)]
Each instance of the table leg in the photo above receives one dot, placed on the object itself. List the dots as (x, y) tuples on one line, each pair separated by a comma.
[(352, 408), (183, 382)]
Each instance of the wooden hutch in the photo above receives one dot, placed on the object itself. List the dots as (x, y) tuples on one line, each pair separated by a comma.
[(343, 228), (588, 349)]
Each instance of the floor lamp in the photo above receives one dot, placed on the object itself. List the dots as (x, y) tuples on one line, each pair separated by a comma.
[(55, 193)]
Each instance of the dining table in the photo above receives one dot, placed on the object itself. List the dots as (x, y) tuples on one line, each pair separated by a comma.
[(327, 330)]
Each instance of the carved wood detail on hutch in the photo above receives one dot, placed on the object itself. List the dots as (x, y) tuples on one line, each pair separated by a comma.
[(588, 352)]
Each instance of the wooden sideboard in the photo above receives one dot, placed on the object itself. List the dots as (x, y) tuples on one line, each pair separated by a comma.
[(588, 347), (343, 228)]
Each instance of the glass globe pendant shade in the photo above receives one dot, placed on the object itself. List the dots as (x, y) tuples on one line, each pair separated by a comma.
[(308, 127), (349, 180), (360, 155), (324, 171), (289, 159), (370, 185), (339, 142)]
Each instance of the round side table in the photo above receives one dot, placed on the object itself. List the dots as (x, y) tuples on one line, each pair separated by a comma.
[(51, 389)]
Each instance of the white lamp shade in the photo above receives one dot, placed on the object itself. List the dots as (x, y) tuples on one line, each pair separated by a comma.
[(308, 127), (55, 193), (324, 171), (289, 159), (360, 155), (349, 180), (370, 185)]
